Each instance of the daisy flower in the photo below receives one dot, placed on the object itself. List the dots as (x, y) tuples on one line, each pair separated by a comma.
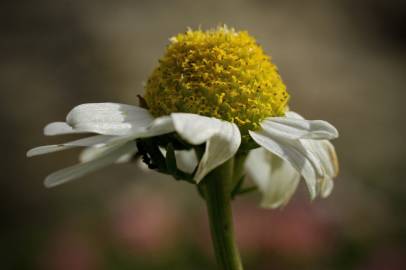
[(214, 107), (216, 88)]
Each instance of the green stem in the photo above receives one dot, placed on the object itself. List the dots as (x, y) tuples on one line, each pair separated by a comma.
[(217, 188), (238, 174), (238, 171)]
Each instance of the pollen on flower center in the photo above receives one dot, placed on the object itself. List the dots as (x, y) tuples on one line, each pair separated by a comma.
[(219, 73)]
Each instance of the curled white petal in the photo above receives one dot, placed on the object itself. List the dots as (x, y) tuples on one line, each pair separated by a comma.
[(326, 187), (85, 142), (295, 128), (222, 139), (326, 153), (275, 178), (302, 143), (296, 154), (76, 171), (194, 128)]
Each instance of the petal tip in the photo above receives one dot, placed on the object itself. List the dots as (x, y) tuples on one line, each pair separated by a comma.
[(335, 133), (266, 205), (49, 183), (198, 178), (57, 128), (30, 153)]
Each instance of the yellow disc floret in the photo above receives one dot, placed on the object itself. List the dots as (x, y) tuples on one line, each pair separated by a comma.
[(219, 73)]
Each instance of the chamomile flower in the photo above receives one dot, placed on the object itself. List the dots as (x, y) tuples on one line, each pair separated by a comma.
[(214, 94)]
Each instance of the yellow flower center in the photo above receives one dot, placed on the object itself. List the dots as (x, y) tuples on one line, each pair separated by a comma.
[(219, 73)]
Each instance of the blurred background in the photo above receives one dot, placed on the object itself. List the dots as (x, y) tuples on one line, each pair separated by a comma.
[(343, 61)]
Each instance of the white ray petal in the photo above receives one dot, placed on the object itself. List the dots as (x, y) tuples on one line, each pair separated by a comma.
[(275, 178), (323, 149), (186, 160), (126, 158), (108, 118), (326, 187), (325, 152), (102, 118), (196, 129), (76, 171), (92, 153), (161, 125), (296, 154), (58, 128), (222, 139), (85, 142), (294, 128)]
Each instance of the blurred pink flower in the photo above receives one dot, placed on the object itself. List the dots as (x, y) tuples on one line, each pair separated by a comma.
[(68, 249), (146, 223), (296, 231)]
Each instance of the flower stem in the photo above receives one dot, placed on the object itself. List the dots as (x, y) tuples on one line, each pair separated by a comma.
[(216, 187)]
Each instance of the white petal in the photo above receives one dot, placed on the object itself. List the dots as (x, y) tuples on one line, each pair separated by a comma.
[(186, 160), (222, 139), (126, 158), (196, 129), (92, 153), (102, 118), (296, 154), (276, 178), (58, 128), (294, 128), (85, 142), (325, 152), (76, 171), (326, 187), (161, 125)]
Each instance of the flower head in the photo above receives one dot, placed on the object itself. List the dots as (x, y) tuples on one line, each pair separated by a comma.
[(219, 73), (212, 92)]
